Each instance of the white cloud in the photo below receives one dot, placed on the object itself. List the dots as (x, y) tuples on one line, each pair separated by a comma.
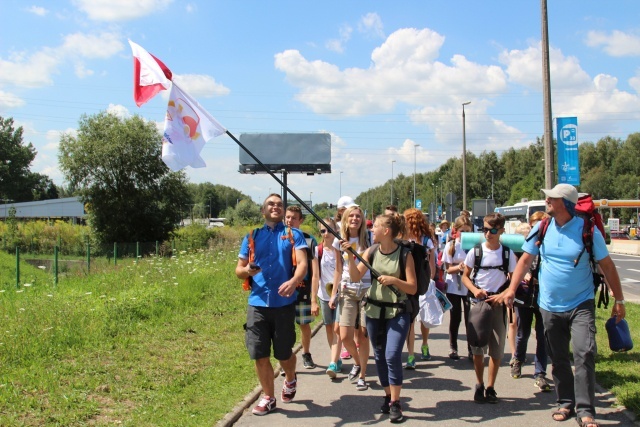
[(200, 85), (634, 82), (617, 43), (337, 45), (9, 100), (119, 111), (574, 93), (36, 69), (37, 10), (81, 71), (120, 10), (371, 24), (524, 67), (32, 71), (103, 45), (404, 70), (191, 7), (53, 139)]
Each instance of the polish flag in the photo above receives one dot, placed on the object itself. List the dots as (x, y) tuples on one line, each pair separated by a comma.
[(187, 128), (150, 75)]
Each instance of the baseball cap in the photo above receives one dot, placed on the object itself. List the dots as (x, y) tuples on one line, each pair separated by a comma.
[(563, 191), (369, 223), (346, 202)]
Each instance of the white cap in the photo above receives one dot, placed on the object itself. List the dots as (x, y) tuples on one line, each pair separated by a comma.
[(563, 191), (346, 202)]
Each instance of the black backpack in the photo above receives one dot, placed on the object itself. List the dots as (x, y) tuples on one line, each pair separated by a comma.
[(422, 271)]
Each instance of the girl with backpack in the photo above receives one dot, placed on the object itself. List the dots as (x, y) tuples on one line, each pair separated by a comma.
[(387, 321), (416, 229), (327, 255), (350, 294), (453, 258)]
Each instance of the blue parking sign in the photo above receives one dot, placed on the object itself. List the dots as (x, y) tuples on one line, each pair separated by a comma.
[(418, 204)]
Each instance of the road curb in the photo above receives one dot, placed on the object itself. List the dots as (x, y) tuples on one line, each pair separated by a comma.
[(253, 396)]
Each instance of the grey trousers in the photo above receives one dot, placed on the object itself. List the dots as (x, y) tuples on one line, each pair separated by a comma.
[(578, 328)]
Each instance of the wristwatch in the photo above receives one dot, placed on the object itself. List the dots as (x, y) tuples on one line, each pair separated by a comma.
[(620, 301)]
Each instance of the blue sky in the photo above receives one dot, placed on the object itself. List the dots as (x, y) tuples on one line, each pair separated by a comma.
[(379, 76)]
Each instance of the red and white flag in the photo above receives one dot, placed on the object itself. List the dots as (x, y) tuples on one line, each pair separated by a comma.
[(187, 128), (150, 75)]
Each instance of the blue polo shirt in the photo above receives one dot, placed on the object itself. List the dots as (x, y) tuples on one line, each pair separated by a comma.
[(562, 286), (273, 255)]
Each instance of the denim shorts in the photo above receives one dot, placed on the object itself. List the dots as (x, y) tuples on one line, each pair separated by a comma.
[(328, 313)]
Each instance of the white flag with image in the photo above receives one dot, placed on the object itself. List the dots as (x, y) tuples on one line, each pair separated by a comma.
[(187, 128)]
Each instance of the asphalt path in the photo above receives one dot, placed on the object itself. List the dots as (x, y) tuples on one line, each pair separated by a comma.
[(439, 391)]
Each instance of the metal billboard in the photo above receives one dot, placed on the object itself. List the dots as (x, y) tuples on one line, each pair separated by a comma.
[(308, 153)]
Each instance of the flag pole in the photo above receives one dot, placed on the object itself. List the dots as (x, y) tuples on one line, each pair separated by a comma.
[(374, 273)]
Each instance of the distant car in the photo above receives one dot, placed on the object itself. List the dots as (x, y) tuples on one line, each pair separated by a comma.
[(215, 224), (620, 235)]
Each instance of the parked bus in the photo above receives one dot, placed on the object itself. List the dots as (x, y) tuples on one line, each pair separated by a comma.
[(520, 212)]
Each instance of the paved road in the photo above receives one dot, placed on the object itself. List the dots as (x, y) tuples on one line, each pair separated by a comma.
[(440, 392), (629, 270)]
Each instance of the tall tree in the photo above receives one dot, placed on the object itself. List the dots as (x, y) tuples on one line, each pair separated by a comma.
[(115, 166), (17, 182)]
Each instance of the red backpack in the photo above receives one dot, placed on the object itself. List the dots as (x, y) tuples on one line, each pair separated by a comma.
[(586, 210)]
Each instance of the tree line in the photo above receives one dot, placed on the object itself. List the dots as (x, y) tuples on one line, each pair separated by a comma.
[(113, 164), (608, 169)]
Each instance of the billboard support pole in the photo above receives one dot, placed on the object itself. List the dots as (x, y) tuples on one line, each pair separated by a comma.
[(283, 184)]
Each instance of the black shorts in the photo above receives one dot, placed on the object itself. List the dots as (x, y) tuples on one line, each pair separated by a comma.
[(267, 326)]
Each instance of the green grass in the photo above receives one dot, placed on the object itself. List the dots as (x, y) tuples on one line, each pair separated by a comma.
[(157, 343), (618, 372)]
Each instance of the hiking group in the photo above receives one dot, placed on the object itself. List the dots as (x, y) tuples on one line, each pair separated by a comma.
[(371, 283)]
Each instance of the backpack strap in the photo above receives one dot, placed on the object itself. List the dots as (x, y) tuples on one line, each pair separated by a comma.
[(246, 285), (543, 225), (505, 259), (477, 252), (320, 248)]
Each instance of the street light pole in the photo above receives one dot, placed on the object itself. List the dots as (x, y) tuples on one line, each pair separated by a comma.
[(392, 162), (441, 199), (310, 203), (415, 147), (491, 170), (464, 158)]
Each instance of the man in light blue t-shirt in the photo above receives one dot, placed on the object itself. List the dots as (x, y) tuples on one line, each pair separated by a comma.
[(566, 300)]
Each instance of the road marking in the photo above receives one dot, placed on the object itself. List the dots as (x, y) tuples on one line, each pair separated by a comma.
[(627, 280), (631, 269)]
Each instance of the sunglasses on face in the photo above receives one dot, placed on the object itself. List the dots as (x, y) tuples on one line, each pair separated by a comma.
[(323, 231), (490, 230)]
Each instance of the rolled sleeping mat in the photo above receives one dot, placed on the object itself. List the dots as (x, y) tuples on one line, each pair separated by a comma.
[(512, 241)]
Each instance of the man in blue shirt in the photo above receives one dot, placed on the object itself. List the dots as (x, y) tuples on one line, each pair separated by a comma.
[(268, 262), (566, 301)]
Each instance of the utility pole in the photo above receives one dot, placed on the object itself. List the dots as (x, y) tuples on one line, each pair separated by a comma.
[(546, 91)]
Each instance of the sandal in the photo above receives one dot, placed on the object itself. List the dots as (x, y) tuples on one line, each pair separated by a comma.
[(563, 414), (590, 423)]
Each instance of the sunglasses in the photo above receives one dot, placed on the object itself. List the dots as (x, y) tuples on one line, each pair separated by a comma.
[(323, 231), (490, 230)]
